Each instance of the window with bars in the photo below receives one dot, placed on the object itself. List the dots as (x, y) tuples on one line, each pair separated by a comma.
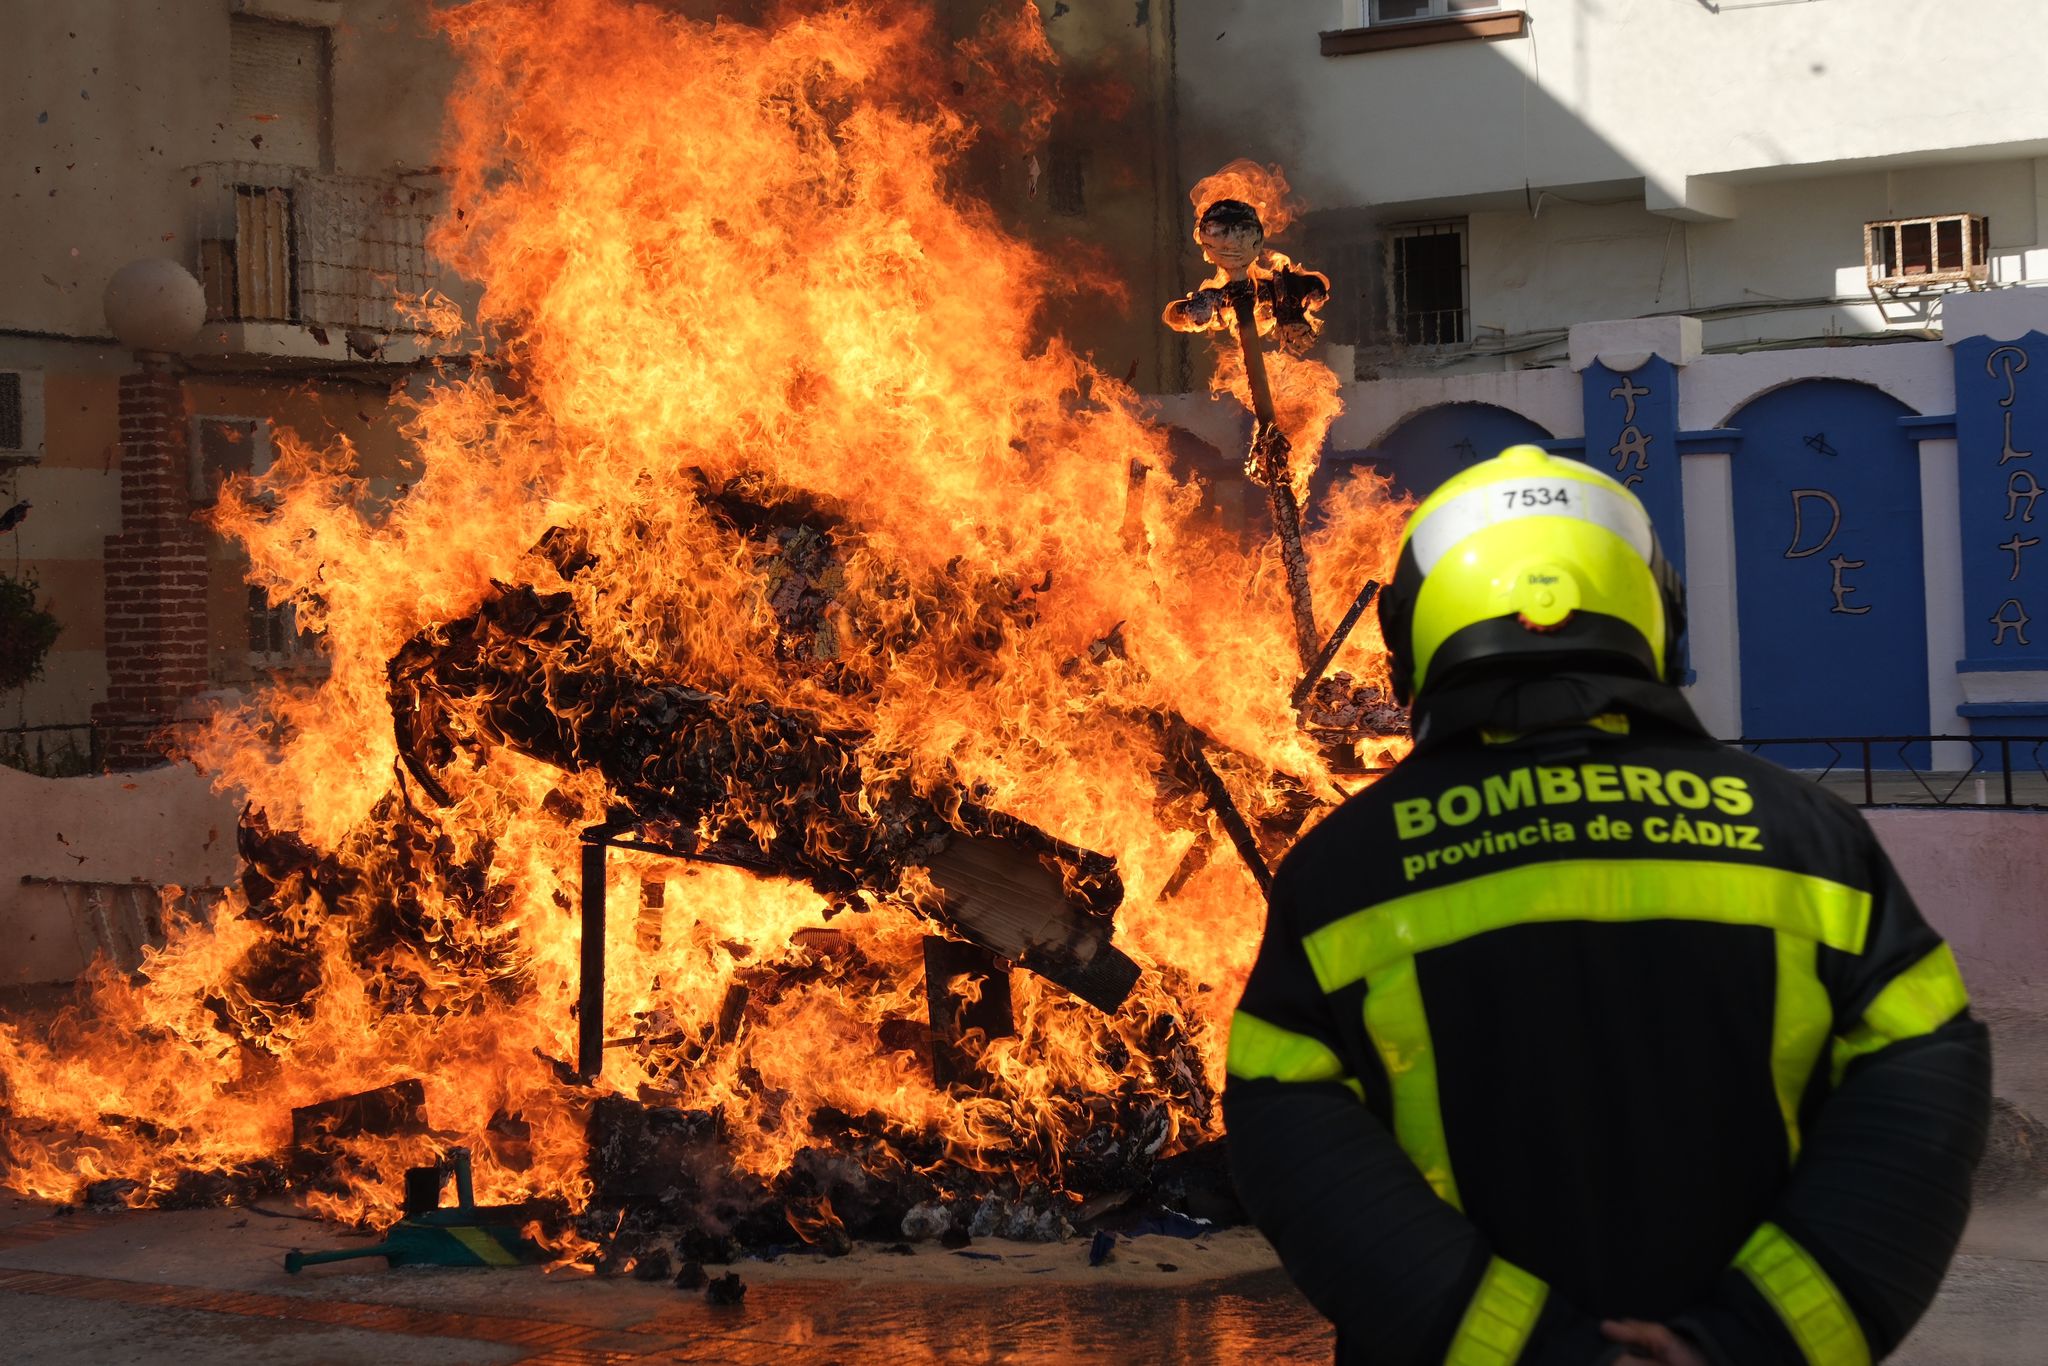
[(274, 636), (1066, 179), (1397, 11), (21, 416), (1428, 284), (224, 446), (13, 419), (1945, 249)]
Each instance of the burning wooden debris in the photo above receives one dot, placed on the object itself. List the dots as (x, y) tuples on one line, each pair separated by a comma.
[(828, 834), (702, 775)]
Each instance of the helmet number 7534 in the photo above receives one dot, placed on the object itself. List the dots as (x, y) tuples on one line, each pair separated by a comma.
[(1536, 497)]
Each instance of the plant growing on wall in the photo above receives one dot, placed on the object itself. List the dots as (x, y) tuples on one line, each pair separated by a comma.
[(26, 633)]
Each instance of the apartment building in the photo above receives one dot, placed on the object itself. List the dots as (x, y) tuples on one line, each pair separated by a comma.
[(281, 153)]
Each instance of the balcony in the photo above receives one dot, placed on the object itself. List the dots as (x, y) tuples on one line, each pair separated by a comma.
[(303, 266)]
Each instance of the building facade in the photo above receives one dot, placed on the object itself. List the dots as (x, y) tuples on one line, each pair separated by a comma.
[(281, 152), (1725, 251), (1484, 174)]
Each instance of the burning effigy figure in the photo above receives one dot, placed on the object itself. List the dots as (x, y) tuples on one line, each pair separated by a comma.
[(1233, 239), (773, 587)]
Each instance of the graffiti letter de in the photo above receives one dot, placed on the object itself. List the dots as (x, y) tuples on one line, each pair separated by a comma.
[(1792, 551), (1628, 391), (2015, 490), (2015, 359), (2016, 545), (2015, 623), (1842, 590)]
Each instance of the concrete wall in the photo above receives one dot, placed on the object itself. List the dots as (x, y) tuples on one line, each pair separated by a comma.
[(1979, 876), (1787, 263), (80, 859)]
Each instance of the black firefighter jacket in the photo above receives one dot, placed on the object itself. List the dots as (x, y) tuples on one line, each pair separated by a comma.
[(1605, 1020)]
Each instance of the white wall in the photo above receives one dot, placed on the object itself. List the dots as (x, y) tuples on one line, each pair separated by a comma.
[(1789, 264), (1632, 157), (1606, 90)]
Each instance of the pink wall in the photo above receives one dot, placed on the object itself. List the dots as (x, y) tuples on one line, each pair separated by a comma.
[(1981, 878)]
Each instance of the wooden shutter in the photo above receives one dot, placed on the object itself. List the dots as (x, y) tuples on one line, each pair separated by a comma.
[(265, 257), (280, 91)]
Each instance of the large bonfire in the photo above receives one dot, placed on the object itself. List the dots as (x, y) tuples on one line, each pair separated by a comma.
[(766, 409)]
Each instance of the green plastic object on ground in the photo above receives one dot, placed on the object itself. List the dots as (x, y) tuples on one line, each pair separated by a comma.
[(467, 1235)]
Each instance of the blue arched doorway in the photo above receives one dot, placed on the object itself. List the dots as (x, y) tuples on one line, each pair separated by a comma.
[(1830, 588), (1429, 447)]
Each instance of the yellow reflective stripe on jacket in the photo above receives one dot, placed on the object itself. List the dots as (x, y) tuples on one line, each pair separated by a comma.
[(1819, 1318), (1918, 1001), (1500, 1318), (1351, 949), (1399, 1026), (1801, 1020), (1261, 1050)]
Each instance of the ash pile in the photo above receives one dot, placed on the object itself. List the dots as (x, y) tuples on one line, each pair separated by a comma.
[(665, 1192)]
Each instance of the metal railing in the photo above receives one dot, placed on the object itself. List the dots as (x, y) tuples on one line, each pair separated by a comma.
[(284, 244), (57, 751), (1885, 770), (70, 749)]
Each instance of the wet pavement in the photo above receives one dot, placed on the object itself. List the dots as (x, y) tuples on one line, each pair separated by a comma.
[(180, 1289), (207, 1287)]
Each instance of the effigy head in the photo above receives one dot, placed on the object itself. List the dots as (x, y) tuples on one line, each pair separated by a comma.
[(1230, 234)]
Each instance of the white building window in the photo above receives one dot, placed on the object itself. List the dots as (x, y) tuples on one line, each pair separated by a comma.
[(1396, 11), (1428, 284)]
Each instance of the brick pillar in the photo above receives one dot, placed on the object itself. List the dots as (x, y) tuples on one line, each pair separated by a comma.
[(156, 575)]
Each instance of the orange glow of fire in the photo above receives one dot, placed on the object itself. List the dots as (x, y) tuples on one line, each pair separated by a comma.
[(714, 251)]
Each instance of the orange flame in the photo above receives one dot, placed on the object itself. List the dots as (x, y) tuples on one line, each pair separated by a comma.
[(719, 255), (1265, 188)]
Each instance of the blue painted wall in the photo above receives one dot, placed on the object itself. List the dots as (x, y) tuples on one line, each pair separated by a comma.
[(2002, 471), (1830, 593), (1632, 434)]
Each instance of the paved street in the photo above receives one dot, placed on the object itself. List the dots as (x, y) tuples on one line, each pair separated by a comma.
[(172, 1289)]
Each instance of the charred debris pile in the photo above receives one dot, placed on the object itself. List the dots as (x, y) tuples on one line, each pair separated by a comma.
[(698, 775)]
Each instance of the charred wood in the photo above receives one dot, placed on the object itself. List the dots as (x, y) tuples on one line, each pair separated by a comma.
[(706, 775)]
